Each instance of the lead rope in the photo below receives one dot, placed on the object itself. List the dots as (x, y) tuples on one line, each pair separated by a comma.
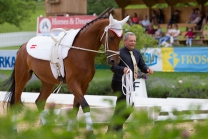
[(127, 83)]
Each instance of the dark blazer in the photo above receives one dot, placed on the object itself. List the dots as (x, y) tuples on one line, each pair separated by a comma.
[(126, 57)]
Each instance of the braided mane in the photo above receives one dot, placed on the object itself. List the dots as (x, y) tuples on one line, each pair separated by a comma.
[(91, 22)]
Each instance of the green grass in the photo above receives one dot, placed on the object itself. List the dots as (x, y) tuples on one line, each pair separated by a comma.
[(6, 72), (10, 48), (30, 25)]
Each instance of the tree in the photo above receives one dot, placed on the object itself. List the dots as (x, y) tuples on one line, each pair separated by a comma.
[(98, 6), (16, 11)]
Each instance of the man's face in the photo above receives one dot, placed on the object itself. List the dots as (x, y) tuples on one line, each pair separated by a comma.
[(130, 42)]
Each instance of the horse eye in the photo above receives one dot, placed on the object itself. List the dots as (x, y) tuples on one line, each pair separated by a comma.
[(111, 38)]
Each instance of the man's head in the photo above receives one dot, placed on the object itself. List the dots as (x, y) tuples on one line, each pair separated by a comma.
[(129, 40)]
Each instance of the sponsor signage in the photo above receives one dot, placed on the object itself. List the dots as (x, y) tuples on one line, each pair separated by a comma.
[(45, 24), (159, 59), (177, 59), (7, 59)]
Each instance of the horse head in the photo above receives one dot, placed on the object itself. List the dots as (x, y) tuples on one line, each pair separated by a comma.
[(113, 34)]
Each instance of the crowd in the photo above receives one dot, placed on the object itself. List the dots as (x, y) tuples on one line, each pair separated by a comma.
[(151, 25)]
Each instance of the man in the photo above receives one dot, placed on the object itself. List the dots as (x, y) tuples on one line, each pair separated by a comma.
[(129, 40), (145, 23)]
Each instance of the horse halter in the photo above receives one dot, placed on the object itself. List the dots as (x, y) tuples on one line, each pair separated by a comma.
[(106, 41)]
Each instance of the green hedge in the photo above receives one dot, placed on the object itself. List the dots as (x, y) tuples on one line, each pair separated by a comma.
[(159, 85)]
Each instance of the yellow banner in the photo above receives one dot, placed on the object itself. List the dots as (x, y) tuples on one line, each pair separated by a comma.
[(167, 59)]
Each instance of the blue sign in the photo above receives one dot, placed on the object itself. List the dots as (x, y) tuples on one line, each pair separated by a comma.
[(190, 59), (7, 59)]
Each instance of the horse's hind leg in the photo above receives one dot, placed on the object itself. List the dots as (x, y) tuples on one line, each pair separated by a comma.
[(47, 89)]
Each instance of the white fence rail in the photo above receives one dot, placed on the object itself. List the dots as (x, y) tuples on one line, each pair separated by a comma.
[(15, 38)]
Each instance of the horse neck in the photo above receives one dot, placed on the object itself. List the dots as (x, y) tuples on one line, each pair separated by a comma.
[(89, 38)]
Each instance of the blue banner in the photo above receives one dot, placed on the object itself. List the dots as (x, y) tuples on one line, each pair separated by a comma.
[(7, 59), (191, 59)]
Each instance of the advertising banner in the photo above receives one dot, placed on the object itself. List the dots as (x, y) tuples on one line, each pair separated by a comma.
[(45, 24), (7, 59), (182, 59), (185, 59)]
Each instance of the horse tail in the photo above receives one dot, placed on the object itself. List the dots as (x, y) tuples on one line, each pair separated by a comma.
[(9, 97)]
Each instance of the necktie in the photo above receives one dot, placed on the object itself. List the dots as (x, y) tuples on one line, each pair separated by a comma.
[(135, 65)]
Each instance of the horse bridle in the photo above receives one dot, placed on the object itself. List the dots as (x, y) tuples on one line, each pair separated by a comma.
[(85, 49), (106, 42)]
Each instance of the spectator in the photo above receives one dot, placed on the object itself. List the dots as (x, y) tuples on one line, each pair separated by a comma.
[(175, 33), (160, 17), (197, 19), (145, 23), (193, 15), (190, 35), (158, 33), (150, 30), (174, 18), (167, 36), (153, 18), (135, 19)]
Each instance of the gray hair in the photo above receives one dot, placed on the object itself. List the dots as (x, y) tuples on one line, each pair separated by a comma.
[(126, 35)]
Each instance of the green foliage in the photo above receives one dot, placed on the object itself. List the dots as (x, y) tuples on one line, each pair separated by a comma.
[(140, 126), (10, 48), (192, 86), (206, 27), (143, 40), (26, 25), (15, 12), (158, 85), (98, 6)]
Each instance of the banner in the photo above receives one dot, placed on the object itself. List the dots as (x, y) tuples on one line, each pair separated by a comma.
[(45, 24), (191, 59), (7, 59)]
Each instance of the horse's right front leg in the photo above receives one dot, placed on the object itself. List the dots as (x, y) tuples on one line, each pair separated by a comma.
[(72, 120), (76, 90)]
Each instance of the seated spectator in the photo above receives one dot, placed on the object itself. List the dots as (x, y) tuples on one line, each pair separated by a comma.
[(190, 35), (158, 33), (135, 19), (193, 15), (145, 23), (174, 18), (197, 19), (160, 17), (175, 33), (151, 30), (167, 36), (153, 18)]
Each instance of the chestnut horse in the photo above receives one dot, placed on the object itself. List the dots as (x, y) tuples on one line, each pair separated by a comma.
[(78, 65)]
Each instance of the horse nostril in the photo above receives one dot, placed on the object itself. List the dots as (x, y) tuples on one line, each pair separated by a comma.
[(112, 61)]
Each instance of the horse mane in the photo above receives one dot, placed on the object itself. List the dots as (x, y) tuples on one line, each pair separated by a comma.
[(91, 22)]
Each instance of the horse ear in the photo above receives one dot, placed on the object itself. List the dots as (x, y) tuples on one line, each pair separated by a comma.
[(111, 19), (122, 22)]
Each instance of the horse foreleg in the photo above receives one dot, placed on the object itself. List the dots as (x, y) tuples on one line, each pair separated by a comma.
[(72, 120), (76, 90), (41, 100)]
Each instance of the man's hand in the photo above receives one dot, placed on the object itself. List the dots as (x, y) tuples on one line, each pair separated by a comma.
[(150, 71), (126, 71)]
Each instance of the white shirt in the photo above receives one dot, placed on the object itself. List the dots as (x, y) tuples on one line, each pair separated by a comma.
[(145, 22)]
